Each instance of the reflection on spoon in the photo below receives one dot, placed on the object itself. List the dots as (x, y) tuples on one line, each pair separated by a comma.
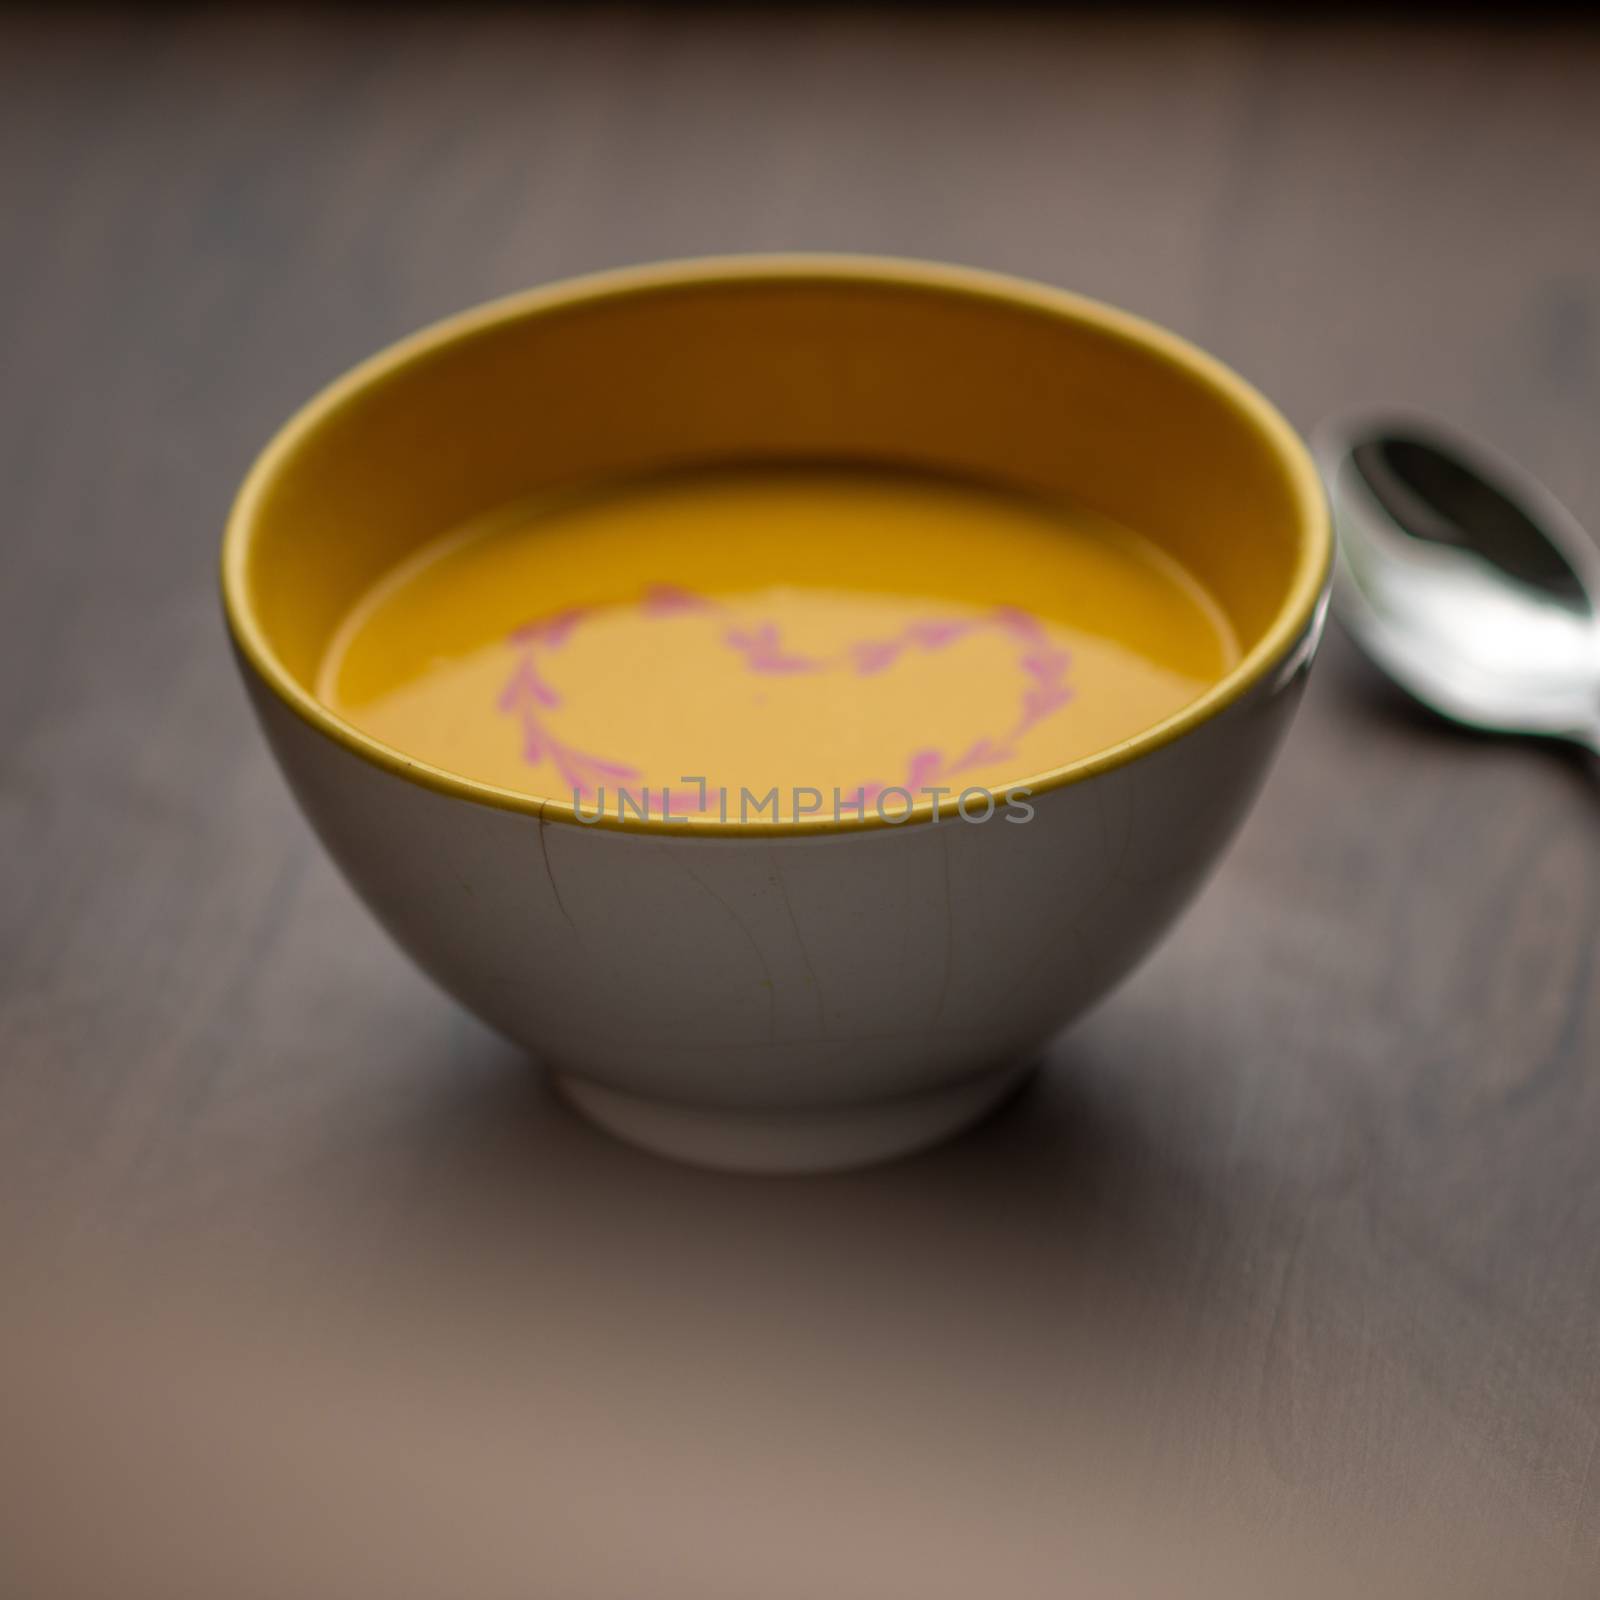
[(1463, 578)]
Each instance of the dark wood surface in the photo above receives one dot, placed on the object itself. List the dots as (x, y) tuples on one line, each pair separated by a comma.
[(1301, 1229)]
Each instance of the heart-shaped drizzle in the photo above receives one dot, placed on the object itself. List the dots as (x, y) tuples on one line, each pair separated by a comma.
[(756, 645)]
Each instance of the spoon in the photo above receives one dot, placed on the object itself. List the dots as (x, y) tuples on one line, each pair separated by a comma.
[(1463, 578)]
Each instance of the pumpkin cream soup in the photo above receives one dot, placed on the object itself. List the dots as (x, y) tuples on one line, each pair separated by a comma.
[(689, 643)]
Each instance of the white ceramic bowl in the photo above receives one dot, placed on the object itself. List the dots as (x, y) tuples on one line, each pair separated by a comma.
[(789, 997)]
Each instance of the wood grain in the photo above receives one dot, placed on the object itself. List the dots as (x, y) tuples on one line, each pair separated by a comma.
[(1306, 1220)]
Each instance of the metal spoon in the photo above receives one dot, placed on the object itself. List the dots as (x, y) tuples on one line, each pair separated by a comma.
[(1463, 578)]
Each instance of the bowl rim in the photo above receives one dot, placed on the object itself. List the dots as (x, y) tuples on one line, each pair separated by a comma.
[(1302, 604)]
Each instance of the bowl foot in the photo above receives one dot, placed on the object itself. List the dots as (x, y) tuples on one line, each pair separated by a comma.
[(792, 1141)]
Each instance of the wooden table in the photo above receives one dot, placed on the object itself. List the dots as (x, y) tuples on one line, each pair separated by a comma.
[(1298, 1237)]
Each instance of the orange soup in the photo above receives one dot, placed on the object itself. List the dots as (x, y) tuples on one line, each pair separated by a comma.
[(695, 641)]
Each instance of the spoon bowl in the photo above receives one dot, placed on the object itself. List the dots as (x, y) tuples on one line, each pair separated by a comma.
[(1463, 578)]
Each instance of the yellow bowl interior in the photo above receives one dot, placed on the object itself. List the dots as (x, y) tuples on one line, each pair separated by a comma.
[(773, 358)]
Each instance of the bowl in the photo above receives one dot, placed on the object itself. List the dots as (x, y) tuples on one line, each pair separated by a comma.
[(816, 992)]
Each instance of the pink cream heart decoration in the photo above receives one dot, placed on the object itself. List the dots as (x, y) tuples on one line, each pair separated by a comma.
[(759, 648)]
